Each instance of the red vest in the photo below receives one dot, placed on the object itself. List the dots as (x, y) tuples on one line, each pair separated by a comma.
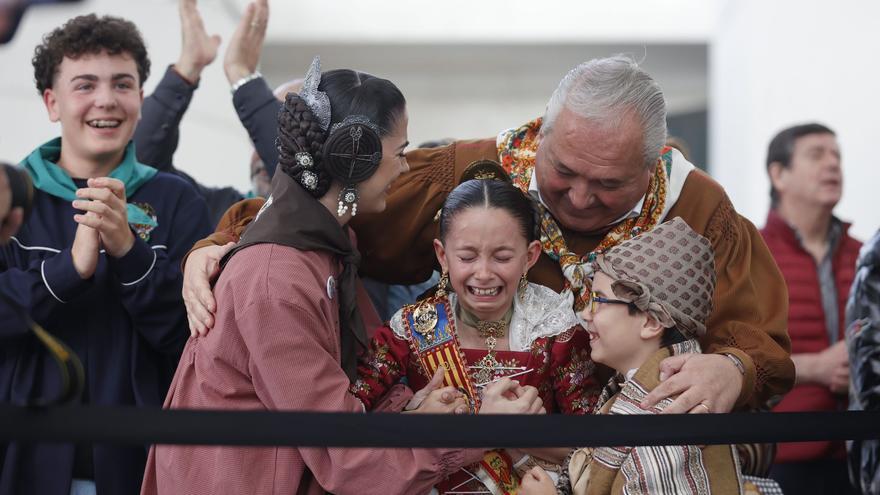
[(806, 324)]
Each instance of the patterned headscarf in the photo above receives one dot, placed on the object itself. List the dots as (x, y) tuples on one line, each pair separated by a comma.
[(668, 272)]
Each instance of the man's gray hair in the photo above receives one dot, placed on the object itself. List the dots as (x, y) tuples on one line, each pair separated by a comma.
[(607, 89)]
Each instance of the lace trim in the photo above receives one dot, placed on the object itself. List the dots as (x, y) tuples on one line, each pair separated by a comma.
[(542, 313), (396, 324)]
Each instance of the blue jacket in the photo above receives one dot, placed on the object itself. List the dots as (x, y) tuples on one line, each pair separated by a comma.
[(127, 323)]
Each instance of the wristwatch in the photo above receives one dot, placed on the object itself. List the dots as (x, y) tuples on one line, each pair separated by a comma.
[(736, 362)]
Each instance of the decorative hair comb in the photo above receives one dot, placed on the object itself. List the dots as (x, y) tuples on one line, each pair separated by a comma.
[(317, 101), (355, 119)]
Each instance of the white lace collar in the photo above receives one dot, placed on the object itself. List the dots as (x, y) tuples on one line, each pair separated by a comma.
[(542, 313)]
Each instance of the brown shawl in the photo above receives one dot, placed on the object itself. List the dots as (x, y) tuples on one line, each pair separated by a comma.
[(292, 217)]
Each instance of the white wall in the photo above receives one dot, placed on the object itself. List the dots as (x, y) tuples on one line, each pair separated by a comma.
[(493, 21), (775, 64)]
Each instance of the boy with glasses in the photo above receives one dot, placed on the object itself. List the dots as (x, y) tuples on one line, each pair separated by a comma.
[(650, 299)]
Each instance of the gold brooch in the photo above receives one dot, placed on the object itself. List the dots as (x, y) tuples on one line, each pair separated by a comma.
[(425, 319)]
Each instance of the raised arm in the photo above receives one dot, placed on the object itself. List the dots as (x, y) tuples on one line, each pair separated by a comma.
[(158, 131), (254, 102)]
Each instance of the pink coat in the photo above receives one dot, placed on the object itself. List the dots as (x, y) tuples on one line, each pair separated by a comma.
[(275, 346)]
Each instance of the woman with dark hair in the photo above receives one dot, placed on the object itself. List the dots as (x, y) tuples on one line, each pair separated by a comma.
[(288, 326), (484, 323)]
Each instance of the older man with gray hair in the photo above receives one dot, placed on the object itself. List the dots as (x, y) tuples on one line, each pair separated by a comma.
[(598, 166)]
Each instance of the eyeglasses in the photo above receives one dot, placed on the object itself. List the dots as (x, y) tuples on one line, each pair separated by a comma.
[(595, 299)]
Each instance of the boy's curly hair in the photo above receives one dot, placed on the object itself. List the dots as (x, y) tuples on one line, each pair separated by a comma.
[(88, 34)]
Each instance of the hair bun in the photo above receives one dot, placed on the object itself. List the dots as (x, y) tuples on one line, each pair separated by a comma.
[(353, 151), (299, 132)]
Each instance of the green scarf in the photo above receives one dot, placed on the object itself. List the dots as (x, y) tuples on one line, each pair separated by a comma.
[(52, 179)]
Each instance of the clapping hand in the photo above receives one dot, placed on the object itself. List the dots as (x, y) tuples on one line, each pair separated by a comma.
[(104, 198), (198, 48), (243, 52)]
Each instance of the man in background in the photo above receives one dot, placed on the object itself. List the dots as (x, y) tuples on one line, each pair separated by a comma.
[(817, 258)]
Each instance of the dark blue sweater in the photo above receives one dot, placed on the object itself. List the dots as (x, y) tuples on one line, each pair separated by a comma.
[(127, 323)]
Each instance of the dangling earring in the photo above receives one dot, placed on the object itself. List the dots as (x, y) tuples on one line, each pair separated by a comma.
[(348, 196), (443, 284), (521, 287)]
